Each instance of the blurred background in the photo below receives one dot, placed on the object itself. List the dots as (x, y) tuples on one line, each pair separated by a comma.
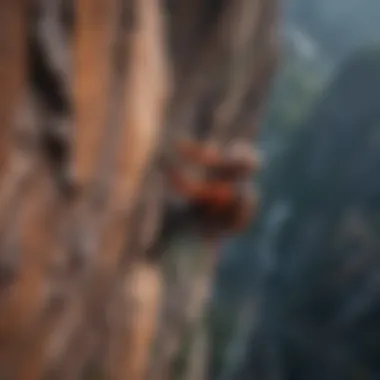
[(298, 295)]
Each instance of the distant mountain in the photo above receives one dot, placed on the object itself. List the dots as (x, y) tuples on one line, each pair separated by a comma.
[(321, 306)]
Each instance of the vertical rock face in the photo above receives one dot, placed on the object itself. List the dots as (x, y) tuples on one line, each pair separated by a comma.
[(319, 318), (68, 187), (90, 89)]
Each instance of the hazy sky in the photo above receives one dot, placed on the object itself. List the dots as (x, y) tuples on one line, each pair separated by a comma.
[(339, 25)]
